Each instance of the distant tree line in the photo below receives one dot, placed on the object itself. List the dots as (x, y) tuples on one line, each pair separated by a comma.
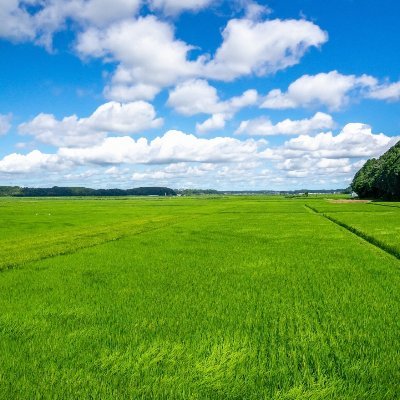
[(195, 192), (10, 190), (380, 178), (57, 191), (300, 192)]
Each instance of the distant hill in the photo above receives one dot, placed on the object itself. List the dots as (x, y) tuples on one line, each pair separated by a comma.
[(380, 178), (10, 190), (194, 192), (57, 191)]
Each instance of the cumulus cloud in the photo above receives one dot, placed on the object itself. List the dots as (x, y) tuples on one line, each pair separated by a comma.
[(112, 117), (45, 17), (354, 140), (181, 159), (327, 157), (173, 7), (222, 175), (31, 162), (156, 59), (253, 10), (16, 22), (260, 47), (172, 147), (174, 172), (215, 122), (103, 12), (330, 89), (308, 166), (264, 127), (5, 123), (153, 60), (387, 91), (124, 118), (194, 97), (70, 131), (197, 96)]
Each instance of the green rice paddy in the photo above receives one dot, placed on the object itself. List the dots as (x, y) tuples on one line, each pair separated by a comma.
[(199, 298)]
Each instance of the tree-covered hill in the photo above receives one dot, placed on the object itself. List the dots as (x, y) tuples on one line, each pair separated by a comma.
[(380, 178), (57, 191)]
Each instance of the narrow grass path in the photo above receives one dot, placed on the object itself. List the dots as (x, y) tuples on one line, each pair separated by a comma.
[(368, 238), (15, 254), (33, 230), (386, 205)]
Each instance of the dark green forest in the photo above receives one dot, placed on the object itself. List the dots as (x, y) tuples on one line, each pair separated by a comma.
[(57, 191), (380, 178)]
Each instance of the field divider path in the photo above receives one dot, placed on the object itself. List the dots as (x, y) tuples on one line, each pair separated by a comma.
[(385, 205), (11, 256), (370, 239)]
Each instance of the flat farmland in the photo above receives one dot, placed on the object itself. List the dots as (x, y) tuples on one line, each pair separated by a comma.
[(378, 223), (198, 298)]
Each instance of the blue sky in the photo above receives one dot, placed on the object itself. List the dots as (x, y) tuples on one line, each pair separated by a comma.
[(196, 93)]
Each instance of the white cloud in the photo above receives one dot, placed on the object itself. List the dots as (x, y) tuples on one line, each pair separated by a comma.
[(261, 47), (327, 157), (112, 171), (198, 97), (173, 7), (388, 91), (248, 98), (264, 127), (15, 22), (148, 55), (153, 60), (215, 122), (329, 89), (5, 123), (255, 11), (103, 12), (222, 162), (125, 93), (195, 97), (223, 175), (320, 171), (111, 117), (174, 146), (50, 16), (355, 140), (174, 172), (31, 162), (156, 59), (308, 166), (127, 118), (70, 131), (249, 45)]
